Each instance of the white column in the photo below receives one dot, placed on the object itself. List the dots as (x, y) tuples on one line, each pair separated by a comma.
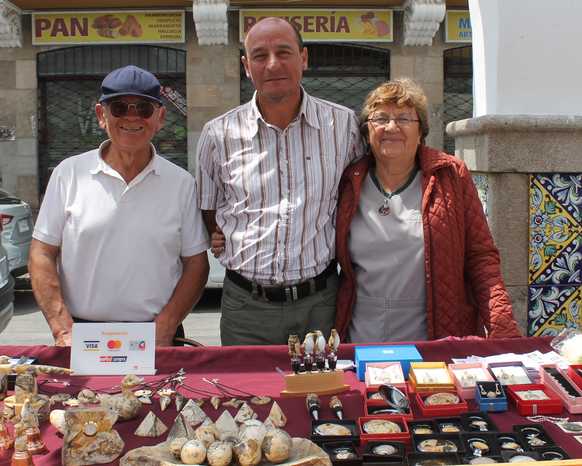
[(526, 57)]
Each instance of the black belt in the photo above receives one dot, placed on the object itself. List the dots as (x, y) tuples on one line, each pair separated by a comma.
[(283, 294)]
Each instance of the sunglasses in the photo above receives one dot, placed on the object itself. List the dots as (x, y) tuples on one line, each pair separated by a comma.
[(143, 108)]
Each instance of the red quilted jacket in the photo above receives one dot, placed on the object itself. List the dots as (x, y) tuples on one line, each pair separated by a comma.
[(465, 293)]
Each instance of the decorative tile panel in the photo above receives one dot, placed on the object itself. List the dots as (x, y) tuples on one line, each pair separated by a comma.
[(555, 253)]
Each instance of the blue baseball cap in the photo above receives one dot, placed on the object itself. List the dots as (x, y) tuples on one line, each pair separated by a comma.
[(130, 80)]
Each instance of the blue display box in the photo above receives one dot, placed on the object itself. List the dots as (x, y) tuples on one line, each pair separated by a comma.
[(405, 354), (497, 403)]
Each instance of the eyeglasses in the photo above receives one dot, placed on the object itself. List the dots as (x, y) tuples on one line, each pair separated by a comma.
[(385, 121), (143, 108)]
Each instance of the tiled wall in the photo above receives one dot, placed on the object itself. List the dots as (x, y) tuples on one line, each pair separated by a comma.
[(555, 253)]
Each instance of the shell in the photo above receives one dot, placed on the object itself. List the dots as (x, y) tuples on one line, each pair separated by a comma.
[(145, 400), (176, 446), (87, 396), (277, 445), (57, 420), (206, 434), (215, 402), (277, 416), (164, 402), (143, 392), (167, 392), (126, 404), (219, 454), (260, 400), (252, 429), (234, 402), (248, 452), (130, 381), (72, 402), (193, 452)]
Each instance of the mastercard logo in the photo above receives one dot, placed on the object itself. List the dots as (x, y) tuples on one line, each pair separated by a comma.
[(114, 344)]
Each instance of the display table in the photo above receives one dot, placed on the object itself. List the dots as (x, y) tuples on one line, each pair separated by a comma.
[(253, 369)]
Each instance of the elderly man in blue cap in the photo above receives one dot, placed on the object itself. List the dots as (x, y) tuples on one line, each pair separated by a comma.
[(119, 236)]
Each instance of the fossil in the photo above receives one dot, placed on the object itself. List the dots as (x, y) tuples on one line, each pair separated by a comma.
[(151, 426)]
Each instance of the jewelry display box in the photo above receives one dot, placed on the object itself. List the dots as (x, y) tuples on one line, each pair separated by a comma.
[(574, 371), (534, 399), (477, 422), (442, 403), (490, 396), (378, 373), (442, 459), (430, 377), (373, 404), (405, 354), (342, 453), (510, 373), (366, 435), (334, 430), (558, 381), (480, 444), (384, 452), (533, 436), (437, 443), (466, 375)]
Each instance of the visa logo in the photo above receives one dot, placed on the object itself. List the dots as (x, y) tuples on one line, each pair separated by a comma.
[(91, 344)]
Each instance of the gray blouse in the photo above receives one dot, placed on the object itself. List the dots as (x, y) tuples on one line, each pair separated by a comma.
[(388, 256)]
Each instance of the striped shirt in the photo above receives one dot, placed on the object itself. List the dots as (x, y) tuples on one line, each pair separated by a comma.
[(275, 191)]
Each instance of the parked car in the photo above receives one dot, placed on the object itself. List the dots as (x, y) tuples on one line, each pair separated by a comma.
[(6, 291), (16, 222)]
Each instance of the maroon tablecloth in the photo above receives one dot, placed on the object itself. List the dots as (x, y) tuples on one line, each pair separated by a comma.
[(253, 369)]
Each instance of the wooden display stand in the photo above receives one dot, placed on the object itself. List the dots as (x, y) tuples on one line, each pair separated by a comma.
[(322, 383)]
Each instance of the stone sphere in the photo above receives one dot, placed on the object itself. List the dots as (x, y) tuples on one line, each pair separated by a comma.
[(277, 445)]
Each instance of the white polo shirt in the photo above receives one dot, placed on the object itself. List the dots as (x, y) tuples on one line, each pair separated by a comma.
[(120, 243)]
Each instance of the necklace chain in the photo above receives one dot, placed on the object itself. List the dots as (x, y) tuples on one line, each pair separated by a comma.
[(384, 209)]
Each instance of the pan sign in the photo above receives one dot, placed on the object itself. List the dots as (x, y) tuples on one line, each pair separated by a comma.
[(108, 27), (328, 25)]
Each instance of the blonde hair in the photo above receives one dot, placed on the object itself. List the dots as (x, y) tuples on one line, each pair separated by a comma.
[(402, 92)]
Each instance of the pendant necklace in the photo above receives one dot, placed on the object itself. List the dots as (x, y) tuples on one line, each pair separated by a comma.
[(384, 209)]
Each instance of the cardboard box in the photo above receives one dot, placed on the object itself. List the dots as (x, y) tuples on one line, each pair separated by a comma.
[(405, 354)]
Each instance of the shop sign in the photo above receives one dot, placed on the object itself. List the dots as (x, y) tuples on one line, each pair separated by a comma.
[(458, 26), (328, 25), (108, 27)]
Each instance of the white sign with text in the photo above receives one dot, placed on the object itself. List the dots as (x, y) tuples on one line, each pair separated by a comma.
[(113, 348)]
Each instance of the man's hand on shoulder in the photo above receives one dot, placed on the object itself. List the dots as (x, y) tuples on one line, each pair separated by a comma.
[(217, 242)]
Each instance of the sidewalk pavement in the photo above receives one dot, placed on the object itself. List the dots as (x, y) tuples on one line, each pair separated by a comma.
[(28, 326)]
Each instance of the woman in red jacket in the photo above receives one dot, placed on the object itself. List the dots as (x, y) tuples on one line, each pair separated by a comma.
[(417, 257)]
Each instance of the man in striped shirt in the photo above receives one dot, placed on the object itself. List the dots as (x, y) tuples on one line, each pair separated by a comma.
[(268, 174)]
